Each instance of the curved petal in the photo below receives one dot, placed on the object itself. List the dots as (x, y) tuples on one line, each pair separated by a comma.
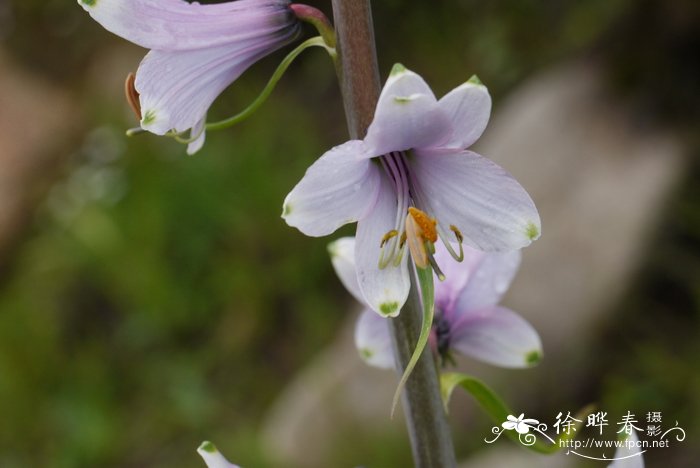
[(490, 280), (498, 336), (468, 106), (199, 134), (461, 188), (342, 253), (407, 116), (385, 290), (176, 88), (373, 340), (212, 457), (339, 188), (179, 25)]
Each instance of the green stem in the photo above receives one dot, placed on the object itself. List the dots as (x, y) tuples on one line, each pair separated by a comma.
[(281, 68)]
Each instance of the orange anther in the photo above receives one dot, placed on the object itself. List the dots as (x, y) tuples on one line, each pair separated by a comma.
[(425, 223)]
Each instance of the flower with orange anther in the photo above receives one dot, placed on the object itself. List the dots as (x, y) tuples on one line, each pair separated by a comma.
[(411, 181)]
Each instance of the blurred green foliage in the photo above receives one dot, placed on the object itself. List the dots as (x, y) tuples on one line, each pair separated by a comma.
[(159, 300)]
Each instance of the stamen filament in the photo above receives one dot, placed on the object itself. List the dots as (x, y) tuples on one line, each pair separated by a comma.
[(445, 240), (388, 236), (433, 263), (392, 245)]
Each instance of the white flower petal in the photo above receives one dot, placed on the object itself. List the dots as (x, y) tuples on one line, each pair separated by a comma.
[(385, 290), (407, 116), (339, 188), (461, 188), (342, 253), (212, 457), (498, 336), (199, 135), (373, 340), (176, 88), (179, 25), (468, 106)]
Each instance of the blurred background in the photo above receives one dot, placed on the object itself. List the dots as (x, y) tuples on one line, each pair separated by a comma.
[(150, 300)]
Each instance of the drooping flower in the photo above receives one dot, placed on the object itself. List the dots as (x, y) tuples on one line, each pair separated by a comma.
[(196, 52), (212, 457), (410, 181), (468, 319)]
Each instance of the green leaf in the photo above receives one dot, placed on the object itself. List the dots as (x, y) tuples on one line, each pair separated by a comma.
[(498, 411), (425, 280)]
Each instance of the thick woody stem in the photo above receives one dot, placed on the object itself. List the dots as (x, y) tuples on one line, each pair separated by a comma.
[(428, 430)]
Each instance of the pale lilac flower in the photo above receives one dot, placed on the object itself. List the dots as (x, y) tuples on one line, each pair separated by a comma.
[(196, 52), (467, 319), (520, 424), (212, 457), (413, 156)]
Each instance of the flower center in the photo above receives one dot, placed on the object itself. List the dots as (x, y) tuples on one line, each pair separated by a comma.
[(441, 332), (413, 226)]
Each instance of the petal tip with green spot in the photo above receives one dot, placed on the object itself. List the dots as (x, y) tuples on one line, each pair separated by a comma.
[(389, 309), (475, 80), (148, 117), (397, 69), (533, 357), (532, 231), (208, 447)]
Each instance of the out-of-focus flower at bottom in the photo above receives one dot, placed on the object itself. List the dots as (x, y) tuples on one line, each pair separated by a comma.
[(212, 457), (468, 319)]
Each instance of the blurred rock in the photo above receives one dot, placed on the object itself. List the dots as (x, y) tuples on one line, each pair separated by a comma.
[(600, 182), (36, 122)]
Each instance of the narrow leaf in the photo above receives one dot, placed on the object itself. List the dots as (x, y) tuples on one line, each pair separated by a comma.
[(425, 280), (498, 411)]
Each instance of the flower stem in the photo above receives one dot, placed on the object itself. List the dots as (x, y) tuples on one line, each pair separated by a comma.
[(428, 430)]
